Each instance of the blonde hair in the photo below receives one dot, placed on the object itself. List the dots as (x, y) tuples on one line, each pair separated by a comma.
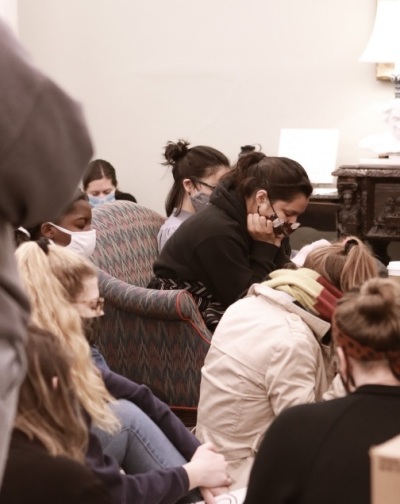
[(50, 412), (53, 279), (371, 314), (345, 265)]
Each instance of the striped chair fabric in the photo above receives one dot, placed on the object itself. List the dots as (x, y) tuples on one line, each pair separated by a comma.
[(150, 336)]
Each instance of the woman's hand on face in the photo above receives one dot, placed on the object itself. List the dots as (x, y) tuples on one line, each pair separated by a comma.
[(208, 469), (260, 229)]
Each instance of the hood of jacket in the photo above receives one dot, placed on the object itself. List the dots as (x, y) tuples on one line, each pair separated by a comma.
[(318, 326), (227, 198)]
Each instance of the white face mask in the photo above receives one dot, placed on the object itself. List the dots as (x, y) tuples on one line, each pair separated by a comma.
[(82, 242)]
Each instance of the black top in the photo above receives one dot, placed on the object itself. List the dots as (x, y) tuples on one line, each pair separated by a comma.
[(34, 476), (119, 195), (163, 486), (215, 248), (319, 452)]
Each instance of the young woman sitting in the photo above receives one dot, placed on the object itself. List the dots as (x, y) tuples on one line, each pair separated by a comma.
[(320, 452), (239, 238), (63, 290), (272, 350), (46, 460), (100, 184), (196, 172)]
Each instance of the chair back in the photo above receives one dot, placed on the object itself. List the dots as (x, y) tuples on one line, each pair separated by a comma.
[(127, 240)]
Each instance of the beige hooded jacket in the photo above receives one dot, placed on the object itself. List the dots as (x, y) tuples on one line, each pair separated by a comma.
[(265, 356)]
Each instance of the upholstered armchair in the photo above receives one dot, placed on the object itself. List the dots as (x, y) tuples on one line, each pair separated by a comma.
[(150, 336)]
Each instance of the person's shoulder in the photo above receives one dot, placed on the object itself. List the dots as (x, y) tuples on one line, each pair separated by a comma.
[(175, 220), (47, 478), (310, 415), (215, 222)]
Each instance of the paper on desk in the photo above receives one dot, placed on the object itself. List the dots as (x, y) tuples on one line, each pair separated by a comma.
[(233, 497), (314, 149)]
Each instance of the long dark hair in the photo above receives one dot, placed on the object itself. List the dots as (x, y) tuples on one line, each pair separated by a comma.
[(281, 177), (196, 162), (98, 169)]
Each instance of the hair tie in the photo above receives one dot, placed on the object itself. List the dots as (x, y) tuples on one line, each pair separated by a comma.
[(44, 244), (349, 245), (25, 231)]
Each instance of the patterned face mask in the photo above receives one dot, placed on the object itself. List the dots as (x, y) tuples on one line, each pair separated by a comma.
[(200, 201), (281, 227)]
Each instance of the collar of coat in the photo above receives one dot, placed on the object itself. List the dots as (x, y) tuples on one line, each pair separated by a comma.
[(314, 293)]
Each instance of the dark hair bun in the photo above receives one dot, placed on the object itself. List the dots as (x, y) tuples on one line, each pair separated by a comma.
[(250, 159), (378, 300), (175, 151)]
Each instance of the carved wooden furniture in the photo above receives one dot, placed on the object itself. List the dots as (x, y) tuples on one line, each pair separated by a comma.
[(369, 198)]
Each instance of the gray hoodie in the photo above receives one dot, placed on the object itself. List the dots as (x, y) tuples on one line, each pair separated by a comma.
[(44, 149)]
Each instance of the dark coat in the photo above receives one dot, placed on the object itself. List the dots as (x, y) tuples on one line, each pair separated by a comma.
[(319, 452), (34, 476), (44, 150)]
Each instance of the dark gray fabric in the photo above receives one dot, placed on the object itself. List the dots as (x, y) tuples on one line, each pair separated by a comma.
[(44, 149)]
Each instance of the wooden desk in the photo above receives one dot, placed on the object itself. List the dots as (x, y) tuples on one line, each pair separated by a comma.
[(369, 198)]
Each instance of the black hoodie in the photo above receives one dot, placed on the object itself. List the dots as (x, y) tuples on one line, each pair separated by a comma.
[(215, 248)]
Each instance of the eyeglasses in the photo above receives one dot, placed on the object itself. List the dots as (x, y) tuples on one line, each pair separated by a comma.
[(198, 181), (94, 304)]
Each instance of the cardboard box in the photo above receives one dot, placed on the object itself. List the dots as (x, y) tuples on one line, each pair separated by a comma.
[(385, 472)]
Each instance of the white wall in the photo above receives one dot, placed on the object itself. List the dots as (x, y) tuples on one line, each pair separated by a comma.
[(217, 72)]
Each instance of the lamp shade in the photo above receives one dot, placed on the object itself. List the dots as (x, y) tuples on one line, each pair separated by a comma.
[(384, 43)]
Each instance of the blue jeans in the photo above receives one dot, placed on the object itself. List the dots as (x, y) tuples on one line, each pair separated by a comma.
[(140, 445), (98, 358)]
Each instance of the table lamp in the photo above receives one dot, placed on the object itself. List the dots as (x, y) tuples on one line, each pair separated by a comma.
[(384, 47), (384, 43)]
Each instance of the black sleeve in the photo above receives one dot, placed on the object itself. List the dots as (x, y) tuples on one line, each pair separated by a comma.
[(123, 388), (230, 268), (281, 462)]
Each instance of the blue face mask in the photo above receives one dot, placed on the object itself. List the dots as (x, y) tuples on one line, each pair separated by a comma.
[(100, 200)]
